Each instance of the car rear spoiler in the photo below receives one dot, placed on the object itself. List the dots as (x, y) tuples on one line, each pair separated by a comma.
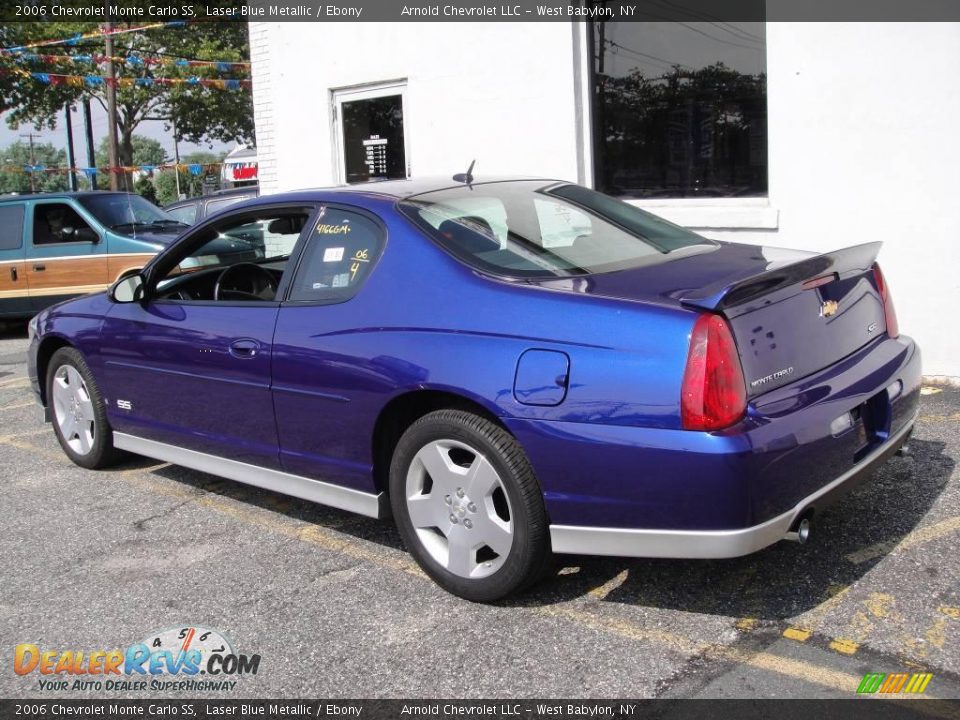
[(730, 293)]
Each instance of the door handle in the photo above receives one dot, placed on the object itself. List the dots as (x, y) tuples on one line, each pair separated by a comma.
[(244, 349), (39, 268), (13, 274)]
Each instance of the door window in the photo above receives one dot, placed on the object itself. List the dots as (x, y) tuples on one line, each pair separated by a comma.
[(338, 257), (241, 258), (59, 223)]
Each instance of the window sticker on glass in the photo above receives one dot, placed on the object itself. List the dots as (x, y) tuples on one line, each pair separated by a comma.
[(334, 254)]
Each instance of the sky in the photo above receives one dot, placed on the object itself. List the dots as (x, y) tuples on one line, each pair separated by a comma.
[(58, 138)]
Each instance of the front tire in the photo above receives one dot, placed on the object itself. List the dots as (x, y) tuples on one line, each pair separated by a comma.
[(78, 411), (468, 506)]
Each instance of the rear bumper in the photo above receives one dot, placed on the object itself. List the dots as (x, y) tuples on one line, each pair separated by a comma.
[(713, 544), (663, 492)]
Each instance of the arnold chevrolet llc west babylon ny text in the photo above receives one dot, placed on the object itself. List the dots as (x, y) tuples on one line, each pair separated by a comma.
[(508, 11)]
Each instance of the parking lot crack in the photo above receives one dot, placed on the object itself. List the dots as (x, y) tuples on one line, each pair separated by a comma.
[(142, 523)]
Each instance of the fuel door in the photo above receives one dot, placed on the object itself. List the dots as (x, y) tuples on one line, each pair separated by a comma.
[(542, 377)]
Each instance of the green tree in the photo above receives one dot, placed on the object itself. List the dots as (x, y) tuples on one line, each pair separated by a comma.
[(191, 185), (144, 186), (146, 151), (200, 114), (17, 155)]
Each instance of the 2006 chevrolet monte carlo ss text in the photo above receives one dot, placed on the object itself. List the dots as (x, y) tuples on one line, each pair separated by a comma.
[(511, 367)]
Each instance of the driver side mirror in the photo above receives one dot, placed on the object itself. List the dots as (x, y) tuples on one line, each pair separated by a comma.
[(129, 288)]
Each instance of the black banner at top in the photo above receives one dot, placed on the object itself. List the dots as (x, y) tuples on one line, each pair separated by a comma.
[(148, 11)]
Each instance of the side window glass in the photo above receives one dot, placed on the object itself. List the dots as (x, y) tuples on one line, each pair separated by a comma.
[(59, 223), (11, 226), (185, 214), (339, 255), (215, 206)]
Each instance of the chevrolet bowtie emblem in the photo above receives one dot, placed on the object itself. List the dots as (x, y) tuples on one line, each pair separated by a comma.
[(829, 308)]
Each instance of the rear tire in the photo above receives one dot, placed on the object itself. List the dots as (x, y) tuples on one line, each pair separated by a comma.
[(468, 506), (78, 412)]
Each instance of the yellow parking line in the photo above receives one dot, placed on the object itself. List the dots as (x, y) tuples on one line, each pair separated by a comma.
[(844, 647), (950, 612), (576, 611), (13, 441), (917, 537), (813, 619), (14, 382), (798, 634), (19, 405), (601, 592)]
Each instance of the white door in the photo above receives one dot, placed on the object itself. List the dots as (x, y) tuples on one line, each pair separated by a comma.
[(369, 133)]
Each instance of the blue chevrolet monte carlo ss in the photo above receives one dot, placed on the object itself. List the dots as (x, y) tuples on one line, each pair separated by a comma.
[(511, 368)]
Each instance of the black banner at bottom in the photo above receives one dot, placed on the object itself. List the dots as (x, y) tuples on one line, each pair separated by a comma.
[(863, 708)]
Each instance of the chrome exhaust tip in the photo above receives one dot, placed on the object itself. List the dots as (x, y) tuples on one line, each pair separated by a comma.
[(801, 534)]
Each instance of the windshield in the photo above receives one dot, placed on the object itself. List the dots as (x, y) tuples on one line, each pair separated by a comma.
[(530, 229), (129, 212)]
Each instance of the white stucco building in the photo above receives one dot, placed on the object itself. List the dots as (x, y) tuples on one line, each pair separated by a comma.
[(853, 137)]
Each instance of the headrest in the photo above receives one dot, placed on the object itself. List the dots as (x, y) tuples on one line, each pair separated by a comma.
[(469, 233), (287, 225)]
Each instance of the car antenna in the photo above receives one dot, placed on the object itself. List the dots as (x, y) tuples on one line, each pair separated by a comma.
[(467, 177)]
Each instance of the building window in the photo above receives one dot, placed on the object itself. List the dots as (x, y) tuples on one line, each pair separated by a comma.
[(680, 109)]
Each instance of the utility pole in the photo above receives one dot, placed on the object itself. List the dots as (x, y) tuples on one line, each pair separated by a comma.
[(88, 131), (176, 156), (71, 161), (33, 183), (111, 104)]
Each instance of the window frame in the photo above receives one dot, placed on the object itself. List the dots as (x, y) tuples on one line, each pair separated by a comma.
[(80, 212), (700, 214), (366, 91), (161, 266), (351, 292)]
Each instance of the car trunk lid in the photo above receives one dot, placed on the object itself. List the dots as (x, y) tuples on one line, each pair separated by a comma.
[(791, 313)]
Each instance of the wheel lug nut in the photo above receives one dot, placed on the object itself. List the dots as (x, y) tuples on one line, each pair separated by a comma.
[(467, 524), (447, 500), (460, 492), (472, 507), (453, 519)]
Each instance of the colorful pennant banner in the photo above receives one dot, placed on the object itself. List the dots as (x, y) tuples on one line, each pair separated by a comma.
[(100, 80), (75, 39), (133, 61), (192, 168)]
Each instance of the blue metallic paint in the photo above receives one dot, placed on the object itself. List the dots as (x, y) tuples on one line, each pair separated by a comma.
[(611, 454)]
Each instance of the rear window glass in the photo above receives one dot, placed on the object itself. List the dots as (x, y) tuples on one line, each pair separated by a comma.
[(538, 229), (11, 226)]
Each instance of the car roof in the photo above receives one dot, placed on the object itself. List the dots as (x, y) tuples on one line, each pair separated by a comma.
[(390, 189), (217, 194), (64, 194)]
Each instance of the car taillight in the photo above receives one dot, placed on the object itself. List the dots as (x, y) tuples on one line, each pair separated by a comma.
[(713, 394), (893, 327)]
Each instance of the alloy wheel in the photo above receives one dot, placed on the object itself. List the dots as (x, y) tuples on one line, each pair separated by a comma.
[(459, 508)]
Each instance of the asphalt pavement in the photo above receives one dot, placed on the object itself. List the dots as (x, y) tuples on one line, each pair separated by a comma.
[(336, 608)]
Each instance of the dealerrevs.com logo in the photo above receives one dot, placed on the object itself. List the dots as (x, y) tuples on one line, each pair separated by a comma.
[(185, 658)]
